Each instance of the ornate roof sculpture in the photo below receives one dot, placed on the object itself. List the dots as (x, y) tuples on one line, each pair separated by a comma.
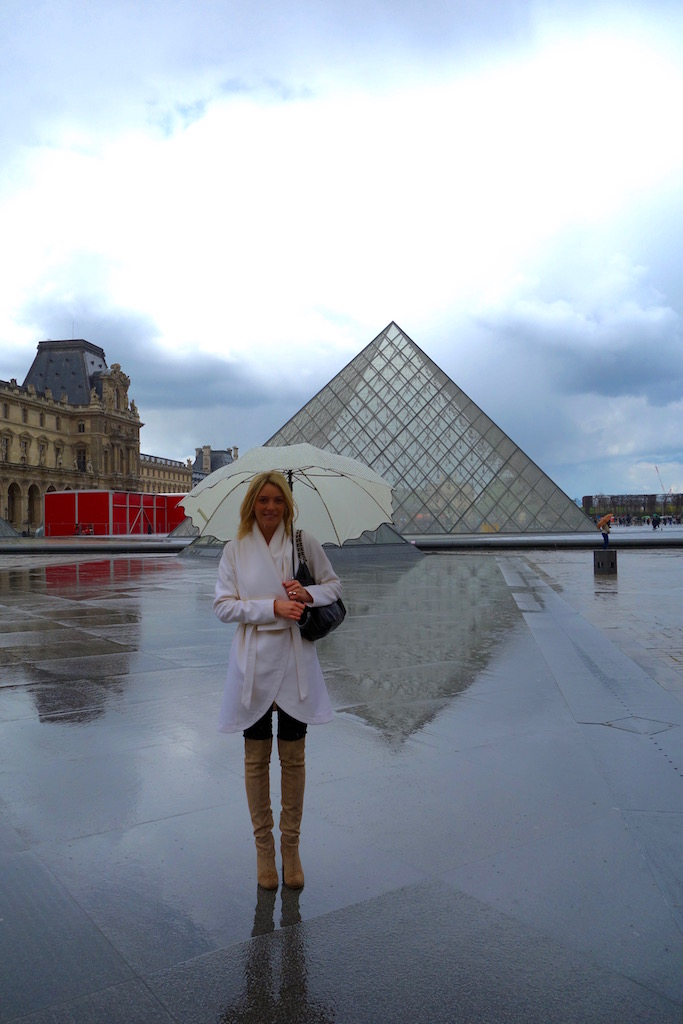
[(454, 471)]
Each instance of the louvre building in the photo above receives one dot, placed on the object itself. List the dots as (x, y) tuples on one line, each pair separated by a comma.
[(453, 470)]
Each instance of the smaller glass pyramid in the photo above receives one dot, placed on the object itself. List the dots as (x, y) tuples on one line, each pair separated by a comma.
[(453, 470)]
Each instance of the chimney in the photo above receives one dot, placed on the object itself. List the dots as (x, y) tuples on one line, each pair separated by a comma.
[(206, 459), (235, 453)]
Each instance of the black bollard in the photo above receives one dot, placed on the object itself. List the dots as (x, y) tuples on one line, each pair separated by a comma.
[(605, 561)]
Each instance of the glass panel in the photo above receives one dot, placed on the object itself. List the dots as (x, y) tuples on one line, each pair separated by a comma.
[(532, 473), (545, 487), (517, 460), (505, 448)]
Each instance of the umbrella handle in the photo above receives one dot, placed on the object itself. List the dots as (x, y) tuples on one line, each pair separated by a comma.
[(290, 481)]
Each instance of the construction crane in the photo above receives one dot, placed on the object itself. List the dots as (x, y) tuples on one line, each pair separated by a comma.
[(661, 483)]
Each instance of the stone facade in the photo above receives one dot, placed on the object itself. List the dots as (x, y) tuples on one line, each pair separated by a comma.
[(69, 426), (164, 476)]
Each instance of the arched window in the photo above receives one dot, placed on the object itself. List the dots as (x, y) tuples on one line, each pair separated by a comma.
[(14, 506), (35, 507)]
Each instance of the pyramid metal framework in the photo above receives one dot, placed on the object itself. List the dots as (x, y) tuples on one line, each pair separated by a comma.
[(6, 530), (453, 470)]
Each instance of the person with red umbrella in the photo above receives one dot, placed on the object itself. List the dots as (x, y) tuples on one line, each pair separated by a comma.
[(604, 526)]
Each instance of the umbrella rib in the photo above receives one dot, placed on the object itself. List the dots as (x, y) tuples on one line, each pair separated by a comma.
[(329, 516), (358, 483)]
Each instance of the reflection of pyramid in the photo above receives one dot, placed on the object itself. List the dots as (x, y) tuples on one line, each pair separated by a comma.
[(453, 469), (416, 636)]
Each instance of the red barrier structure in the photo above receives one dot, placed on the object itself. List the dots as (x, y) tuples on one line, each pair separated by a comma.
[(111, 513)]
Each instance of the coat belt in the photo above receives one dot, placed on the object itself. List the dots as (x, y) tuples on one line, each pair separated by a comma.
[(250, 662)]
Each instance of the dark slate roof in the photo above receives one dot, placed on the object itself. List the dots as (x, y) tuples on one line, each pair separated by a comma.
[(68, 367), (218, 460)]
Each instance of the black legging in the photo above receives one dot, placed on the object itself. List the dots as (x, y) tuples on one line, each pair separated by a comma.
[(288, 728)]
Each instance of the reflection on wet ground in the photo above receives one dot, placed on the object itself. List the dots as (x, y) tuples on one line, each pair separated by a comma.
[(68, 630), (640, 606), (500, 782), (417, 637), (416, 634), (275, 974)]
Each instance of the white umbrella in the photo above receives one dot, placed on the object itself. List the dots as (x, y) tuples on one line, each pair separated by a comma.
[(336, 498)]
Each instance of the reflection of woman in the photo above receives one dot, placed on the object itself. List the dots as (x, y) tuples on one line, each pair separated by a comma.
[(270, 665), (276, 986)]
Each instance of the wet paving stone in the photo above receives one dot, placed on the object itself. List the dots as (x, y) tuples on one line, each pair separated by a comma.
[(475, 827)]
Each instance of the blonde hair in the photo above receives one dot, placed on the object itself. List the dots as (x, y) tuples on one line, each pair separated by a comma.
[(247, 514)]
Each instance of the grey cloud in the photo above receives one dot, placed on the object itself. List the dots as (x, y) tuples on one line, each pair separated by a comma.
[(160, 380), (629, 349), (652, 368), (224, 425), (184, 401), (194, 382)]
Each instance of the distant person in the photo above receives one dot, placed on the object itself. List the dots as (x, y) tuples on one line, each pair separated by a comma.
[(604, 525), (271, 666)]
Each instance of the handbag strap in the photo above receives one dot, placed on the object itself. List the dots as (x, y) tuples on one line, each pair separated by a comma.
[(300, 548)]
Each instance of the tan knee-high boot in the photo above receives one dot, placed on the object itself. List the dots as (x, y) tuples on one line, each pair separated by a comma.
[(293, 764), (257, 782)]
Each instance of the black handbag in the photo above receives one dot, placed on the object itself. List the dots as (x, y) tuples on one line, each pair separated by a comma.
[(316, 622)]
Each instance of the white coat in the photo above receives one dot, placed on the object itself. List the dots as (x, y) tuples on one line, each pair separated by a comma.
[(269, 661)]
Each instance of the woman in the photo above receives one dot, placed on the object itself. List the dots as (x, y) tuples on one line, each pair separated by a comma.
[(270, 665)]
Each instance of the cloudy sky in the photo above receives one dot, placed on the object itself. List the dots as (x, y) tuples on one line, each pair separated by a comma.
[(233, 199)]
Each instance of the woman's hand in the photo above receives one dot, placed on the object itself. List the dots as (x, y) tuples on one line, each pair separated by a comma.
[(289, 609), (296, 592)]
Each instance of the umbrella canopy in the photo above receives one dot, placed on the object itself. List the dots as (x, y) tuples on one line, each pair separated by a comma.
[(605, 519), (336, 498)]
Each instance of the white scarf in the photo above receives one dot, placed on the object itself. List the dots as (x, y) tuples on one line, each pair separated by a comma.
[(267, 566)]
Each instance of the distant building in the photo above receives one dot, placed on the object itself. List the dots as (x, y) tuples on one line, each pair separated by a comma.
[(209, 459), (72, 426), (164, 476)]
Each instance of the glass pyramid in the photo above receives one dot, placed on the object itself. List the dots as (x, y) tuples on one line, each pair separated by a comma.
[(454, 471)]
